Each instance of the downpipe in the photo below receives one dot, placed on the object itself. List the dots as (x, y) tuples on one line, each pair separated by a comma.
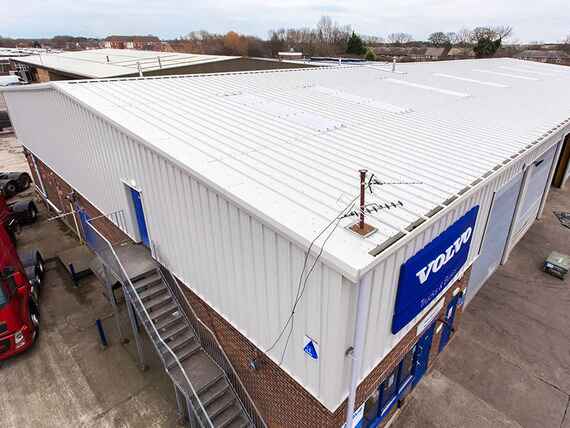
[(363, 300)]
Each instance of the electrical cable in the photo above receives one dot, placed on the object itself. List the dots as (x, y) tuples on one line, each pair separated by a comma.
[(302, 285), (305, 286)]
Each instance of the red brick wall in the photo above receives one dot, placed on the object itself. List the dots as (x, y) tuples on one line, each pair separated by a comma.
[(280, 399)]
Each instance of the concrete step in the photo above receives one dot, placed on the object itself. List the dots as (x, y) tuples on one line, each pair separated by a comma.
[(157, 302), (164, 311), (152, 291), (146, 281)]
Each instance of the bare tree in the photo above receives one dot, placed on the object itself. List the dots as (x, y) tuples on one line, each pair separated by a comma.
[(452, 37), (399, 38), (463, 37), (503, 32)]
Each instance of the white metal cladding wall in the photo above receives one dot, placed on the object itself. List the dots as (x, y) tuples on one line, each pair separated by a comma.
[(246, 271), (379, 338)]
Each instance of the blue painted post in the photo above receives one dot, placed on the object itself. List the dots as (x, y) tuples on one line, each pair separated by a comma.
[(102, 336)]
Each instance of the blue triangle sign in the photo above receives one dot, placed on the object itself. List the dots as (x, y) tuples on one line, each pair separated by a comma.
[(311, 351)]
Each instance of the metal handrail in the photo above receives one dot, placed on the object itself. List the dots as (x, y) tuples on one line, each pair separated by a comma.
[(218, 354), (149, 324)]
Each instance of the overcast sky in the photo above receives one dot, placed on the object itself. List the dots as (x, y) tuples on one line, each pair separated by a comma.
[(545, 20)]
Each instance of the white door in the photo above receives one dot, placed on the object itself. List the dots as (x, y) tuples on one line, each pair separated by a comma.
[(496, 233), (538, 176)]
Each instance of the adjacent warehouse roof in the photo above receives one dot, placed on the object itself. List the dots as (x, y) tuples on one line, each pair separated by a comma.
[(16, 52), (288, 145), (105, 63)]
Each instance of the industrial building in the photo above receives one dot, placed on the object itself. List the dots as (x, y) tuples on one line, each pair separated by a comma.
[(326, 226), (108, 63)]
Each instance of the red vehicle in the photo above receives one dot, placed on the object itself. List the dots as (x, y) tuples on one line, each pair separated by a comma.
[(19, 290)]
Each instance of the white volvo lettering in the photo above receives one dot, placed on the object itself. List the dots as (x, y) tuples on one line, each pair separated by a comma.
[(442, 259)]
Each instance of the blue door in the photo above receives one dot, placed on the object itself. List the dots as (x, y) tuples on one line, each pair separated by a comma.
[(139, 213), (421, 357), (448, 324), (88, 233)]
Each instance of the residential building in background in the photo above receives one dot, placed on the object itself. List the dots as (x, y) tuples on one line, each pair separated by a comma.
[(147, 43), (550, 56)]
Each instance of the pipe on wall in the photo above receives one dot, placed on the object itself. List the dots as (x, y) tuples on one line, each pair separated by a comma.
[(362, 305)]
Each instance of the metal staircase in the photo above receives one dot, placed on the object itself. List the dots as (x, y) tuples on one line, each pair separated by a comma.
[(184, 356), (209, 392)]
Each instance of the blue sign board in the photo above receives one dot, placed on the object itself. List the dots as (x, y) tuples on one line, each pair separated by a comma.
[(311, 350), (430, 270)]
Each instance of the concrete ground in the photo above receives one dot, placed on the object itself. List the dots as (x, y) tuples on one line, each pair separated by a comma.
[(67, 379), (509, 363)]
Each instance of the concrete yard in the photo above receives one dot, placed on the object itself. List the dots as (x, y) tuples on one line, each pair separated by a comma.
[(509, 364), (67, 379)]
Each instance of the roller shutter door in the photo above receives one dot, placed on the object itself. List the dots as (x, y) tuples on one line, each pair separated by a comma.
[(538, 176), (496, 234)]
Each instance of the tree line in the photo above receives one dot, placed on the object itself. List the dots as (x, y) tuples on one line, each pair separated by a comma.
[(329, 38)]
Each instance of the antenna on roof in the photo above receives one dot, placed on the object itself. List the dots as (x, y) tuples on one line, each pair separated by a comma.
[(362, 228)]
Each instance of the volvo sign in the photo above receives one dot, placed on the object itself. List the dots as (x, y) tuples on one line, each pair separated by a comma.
[(432, 268)]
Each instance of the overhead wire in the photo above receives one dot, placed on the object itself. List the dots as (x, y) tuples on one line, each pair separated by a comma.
[(301, 286)]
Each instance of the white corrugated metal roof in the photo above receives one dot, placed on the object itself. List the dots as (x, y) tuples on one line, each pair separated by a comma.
[(288, 144), (15, 52), (104, 63)]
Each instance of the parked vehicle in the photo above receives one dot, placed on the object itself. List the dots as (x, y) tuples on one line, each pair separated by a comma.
[(12, 183), (20, 282)]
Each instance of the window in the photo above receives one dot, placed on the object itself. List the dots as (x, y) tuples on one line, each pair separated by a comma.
[(3, 296), (388, 391), (394, 387), (371, 406), (406, 368)]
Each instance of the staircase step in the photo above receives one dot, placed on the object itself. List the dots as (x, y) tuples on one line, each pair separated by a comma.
[(215, 391), (174, 329), (181, 340), (157, 301), (220, 404), (241, 422), (182, 354), (152, 291), (164, 311), (147, 281), (168, 321), (228, 416)]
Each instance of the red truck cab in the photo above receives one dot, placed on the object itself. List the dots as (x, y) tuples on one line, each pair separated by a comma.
[(19, 310)]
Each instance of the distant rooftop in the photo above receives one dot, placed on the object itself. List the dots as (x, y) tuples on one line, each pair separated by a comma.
[(536, 53), (105, 63), (14, 52), (129, 38)]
